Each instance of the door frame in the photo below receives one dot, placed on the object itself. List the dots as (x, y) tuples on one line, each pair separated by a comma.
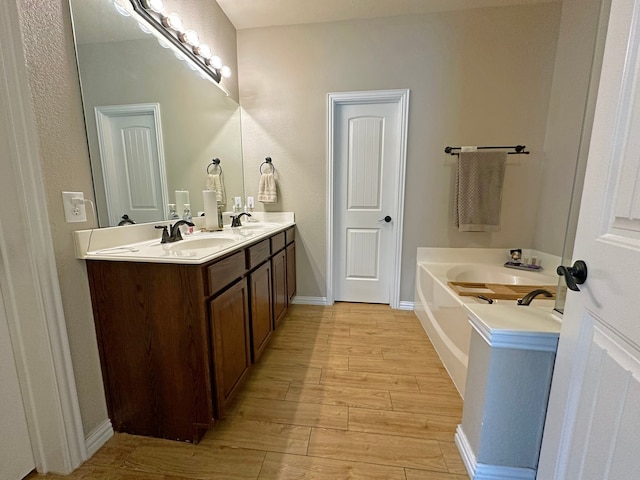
[(103, 127), (401, 97)]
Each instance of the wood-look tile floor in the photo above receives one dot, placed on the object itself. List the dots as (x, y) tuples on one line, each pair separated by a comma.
[(352, 391)]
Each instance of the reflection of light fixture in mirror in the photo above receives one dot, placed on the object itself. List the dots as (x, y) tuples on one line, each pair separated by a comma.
[(122, 9), (171, 28), (155, 5), (144, 28)]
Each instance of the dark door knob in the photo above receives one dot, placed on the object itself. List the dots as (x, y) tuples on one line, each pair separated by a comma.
[(385, 219), (575, 275)]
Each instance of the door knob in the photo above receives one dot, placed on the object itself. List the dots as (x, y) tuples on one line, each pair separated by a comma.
[(575, 275), (385, 219)]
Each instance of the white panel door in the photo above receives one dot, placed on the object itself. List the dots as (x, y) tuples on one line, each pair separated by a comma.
[(16, 458), (593, 423), (366, 162), (133, 163)]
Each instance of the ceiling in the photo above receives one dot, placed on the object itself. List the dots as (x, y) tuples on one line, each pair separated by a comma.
[(264, 13)]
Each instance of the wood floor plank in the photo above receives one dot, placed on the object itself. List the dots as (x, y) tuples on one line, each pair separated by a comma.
[(389, 450), (258, 435), (424, 402), (193, 461), (340, 395), (408, 424), (398, 367), (437, 386), (292, 413), (292, 467), (452, 458), (375, 381), (285, 358), (287, 373), (115, 451), (256, 386)]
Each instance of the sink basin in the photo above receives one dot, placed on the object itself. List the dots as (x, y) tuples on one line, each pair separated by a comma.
[(201, 243)]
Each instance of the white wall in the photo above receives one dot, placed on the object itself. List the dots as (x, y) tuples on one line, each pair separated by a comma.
[(477, 77)]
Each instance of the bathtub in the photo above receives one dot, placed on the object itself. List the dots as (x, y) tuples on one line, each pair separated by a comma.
[(442, 311)]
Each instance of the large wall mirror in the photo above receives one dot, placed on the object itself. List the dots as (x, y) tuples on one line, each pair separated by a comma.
[(133, 83)]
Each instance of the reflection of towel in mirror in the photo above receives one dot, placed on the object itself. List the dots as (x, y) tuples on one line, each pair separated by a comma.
[(478, 194), (267, 188), (216, 182)]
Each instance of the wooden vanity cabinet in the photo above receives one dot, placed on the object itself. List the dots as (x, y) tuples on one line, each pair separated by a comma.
[(279, 265), (153, 345), (230, 341), (291, 263), (176, 340), (261, 309)]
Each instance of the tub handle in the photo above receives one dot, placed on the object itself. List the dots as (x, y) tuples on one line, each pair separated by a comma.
[(385, 219)]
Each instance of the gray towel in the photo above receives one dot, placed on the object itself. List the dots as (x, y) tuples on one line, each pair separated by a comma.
[(478, 195)]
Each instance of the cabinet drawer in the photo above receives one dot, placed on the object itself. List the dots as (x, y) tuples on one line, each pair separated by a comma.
[(258, 253), (224, 272), (277, 242), (290, 235)]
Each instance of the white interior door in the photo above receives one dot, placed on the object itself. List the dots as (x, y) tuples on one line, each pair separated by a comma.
[(133, 165), (16, 458), (367, 159), (593, 423)]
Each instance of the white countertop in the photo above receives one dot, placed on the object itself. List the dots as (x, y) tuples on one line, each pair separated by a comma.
[(141, 242), (515, 326)]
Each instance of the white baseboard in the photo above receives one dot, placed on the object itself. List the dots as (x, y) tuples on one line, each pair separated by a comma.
[(482, 471), (98, 437), (406, 306), (298, 300)]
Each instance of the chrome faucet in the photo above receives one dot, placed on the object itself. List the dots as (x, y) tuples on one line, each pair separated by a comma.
[(235, 219), (528, 298)]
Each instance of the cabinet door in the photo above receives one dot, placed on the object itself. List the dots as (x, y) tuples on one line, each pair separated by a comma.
[(230, 341), (261, 309), (291, 271), (279, 263)]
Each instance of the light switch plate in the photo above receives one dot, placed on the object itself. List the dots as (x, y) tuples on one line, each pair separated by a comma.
[(74, 207)]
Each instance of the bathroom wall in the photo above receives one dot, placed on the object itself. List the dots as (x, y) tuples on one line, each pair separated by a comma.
[(477, 77), (53, 82)]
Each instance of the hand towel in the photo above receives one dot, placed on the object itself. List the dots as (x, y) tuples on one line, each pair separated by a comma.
[(216, 182), (267, 188), (478, 193)]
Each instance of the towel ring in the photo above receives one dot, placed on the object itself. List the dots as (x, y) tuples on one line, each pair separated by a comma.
[(267, 161), (215, 163)]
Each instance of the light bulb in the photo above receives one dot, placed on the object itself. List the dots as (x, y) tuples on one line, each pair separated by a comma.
[(144, 28), (155, 5), (215, 62), (190, 37), (203, 50), (225, 71), (173, 21)]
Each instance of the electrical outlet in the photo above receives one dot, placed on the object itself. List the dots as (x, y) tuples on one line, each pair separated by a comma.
[(74, 207), (250, 202)]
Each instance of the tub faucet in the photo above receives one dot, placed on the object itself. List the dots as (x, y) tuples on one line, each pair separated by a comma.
[(528, 298)]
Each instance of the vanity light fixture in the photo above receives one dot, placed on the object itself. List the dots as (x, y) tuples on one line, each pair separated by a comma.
[(171, 27)]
